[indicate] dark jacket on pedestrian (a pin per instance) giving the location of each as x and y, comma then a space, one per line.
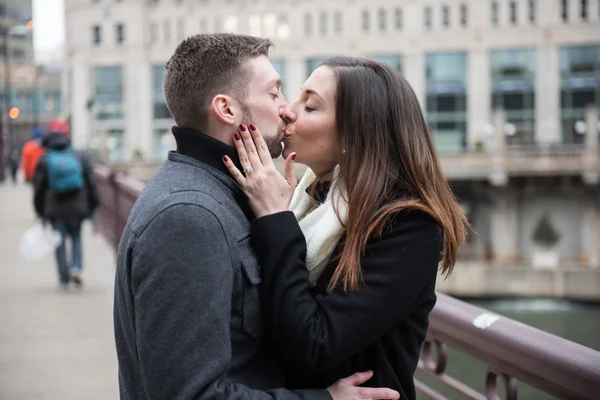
187, 311
73, 207
325, 335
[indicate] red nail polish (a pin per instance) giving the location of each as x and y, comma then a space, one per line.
252, 127
243, 128
225, 158
236, 136
293, 156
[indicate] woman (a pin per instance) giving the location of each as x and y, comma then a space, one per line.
350, 286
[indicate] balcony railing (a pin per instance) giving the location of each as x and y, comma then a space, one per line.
534, 160
511, 350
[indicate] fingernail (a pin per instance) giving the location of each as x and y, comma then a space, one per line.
242, 127
252, 127
225, 158
293, 156
236, 136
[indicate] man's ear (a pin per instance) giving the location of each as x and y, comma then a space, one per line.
224, 108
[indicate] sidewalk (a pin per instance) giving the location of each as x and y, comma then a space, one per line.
53, 345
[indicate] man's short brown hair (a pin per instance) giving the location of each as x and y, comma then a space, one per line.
204, 66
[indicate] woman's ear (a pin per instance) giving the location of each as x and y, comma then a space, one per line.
225, 109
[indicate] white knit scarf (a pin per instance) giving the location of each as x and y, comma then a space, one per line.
321, 226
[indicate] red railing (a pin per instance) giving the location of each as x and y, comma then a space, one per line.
511, 350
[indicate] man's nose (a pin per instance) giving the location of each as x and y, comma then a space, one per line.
288, 114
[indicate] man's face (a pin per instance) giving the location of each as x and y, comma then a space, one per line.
265, 103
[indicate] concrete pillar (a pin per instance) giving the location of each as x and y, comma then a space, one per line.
414, 71
548, 126
503, 227
137, 81
295, 76
478, 95
590, 161
590, 226
81, 93
498, 175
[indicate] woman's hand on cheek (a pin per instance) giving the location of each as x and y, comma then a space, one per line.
268, 191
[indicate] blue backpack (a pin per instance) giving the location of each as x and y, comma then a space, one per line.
65, 173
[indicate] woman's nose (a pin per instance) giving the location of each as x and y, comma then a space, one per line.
288, 114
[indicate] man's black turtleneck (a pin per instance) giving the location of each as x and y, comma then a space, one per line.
204, 148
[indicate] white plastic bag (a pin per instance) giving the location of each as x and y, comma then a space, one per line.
38, 241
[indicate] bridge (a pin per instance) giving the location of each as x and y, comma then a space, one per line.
60, 345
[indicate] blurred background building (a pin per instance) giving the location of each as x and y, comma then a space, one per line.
511, 91
31, 88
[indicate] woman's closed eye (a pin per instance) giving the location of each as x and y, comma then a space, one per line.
308, 109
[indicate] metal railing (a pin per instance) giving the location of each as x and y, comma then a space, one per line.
511, 350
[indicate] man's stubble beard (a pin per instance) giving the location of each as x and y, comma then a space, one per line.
274, 142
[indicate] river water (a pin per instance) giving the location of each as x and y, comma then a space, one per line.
578, 322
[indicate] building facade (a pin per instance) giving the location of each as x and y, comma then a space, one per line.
510, 88
35, 91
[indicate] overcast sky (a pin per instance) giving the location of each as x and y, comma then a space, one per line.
49, 24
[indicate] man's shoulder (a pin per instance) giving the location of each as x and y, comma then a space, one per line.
169, 192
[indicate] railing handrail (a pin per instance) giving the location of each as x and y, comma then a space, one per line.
550, 363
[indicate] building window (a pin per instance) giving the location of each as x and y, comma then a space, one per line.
161, 144
96, 34
153, 32
337, 21
532, 11
160, 110
116, 146
203, 25
398, 18
464, 17
495, 13
382, 20
323, 23
564, 10
308, 28
313, 63
513, 90
167, 31
580, 86
284, 31
365, 21
180, 29
584, 10
108, 89
428, 17
120, 33
218, 25
513, 12
447, 100
392, 60
446, 16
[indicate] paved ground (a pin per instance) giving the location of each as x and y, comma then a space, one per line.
53, 344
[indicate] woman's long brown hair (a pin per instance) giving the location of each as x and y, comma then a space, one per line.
388, 163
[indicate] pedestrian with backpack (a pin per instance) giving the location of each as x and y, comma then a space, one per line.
65, 194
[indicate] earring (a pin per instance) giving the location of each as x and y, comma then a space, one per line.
343, 151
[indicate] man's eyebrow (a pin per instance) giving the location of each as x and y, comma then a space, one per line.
274, 82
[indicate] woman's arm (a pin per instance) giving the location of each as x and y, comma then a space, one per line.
317, 332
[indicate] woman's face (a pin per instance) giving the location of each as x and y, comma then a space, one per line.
311, 131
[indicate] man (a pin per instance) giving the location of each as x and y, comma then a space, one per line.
14, 159
65, 193
188, 321
31, 154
